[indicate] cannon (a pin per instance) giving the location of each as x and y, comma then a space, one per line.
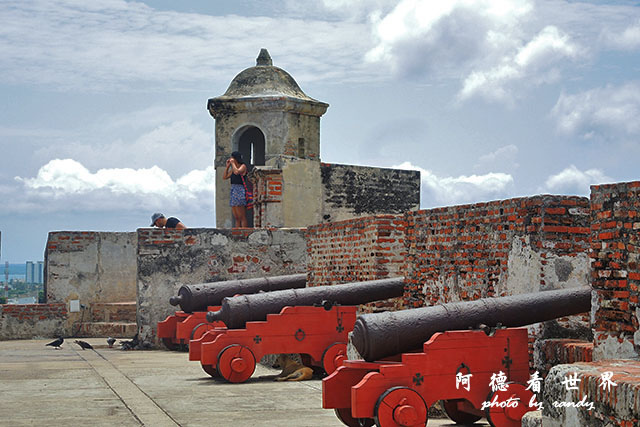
378, 335
198, 297
235, 312
179, 328
475, 373
196, 300
306, 321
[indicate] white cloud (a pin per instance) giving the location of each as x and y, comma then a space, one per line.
573, 181
443, 191
493, 46
65, 184
354, 9
503, 158
126, 44
424, 36
608, 111
628, 39
533, 61
175, 146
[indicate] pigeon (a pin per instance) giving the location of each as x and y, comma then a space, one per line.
85, 345
131, 344
57, 343
110, 341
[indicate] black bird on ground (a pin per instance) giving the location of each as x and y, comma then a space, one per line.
85, 345
130, 344
57, 343
110, 341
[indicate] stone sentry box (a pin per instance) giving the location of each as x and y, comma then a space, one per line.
170, 258
267, 117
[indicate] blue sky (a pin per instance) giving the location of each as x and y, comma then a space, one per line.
103, 116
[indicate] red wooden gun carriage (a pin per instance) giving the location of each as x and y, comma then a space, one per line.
306, 321
473, 373
195, 300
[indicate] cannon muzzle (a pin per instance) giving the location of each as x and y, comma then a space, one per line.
238, 310
198, 297
379, 335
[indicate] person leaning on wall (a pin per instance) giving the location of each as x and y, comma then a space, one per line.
160, 221
235, 171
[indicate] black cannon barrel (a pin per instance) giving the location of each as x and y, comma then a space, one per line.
379, 335
236, 311
199, 296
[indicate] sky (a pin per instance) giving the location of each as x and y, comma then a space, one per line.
103, 117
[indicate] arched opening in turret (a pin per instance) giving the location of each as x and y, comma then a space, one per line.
249, 140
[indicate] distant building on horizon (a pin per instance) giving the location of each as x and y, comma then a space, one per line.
34, 272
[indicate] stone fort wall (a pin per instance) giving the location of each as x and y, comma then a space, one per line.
302, 193
168, 259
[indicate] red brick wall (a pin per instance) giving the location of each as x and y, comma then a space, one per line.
615, 243
34, 312
462, 252
69, 241
560, 351
267, 189
357, 250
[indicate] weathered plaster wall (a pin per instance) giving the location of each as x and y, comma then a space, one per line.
90, 266
302, 130
33, 320
355, 191
282, 131
169, 258
306, 192
615, 243
302, 194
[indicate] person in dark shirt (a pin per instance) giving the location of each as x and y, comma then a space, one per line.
159, 220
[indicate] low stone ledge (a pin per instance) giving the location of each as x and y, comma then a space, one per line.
25, 321
532, 419
591, 404
560, 351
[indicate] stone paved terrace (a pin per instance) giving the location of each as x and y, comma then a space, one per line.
43, 386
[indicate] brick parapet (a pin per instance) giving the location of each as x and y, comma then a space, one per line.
356, 250
70, 241
463, 252
615, 244
560, 351
34, 312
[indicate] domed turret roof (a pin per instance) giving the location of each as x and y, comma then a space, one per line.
264, 80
